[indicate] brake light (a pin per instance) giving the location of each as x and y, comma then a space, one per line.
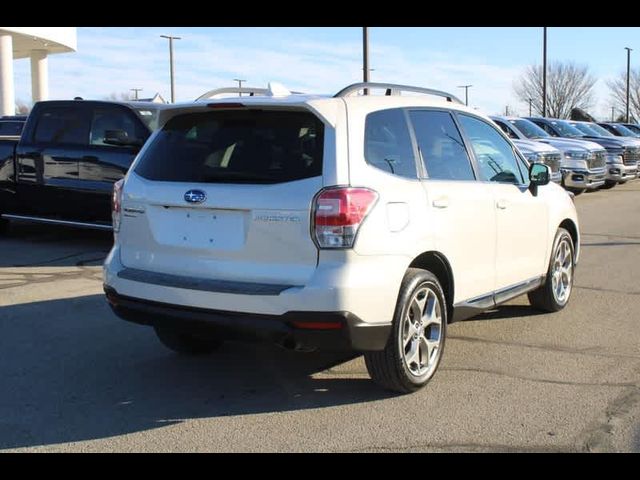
116, 205
338, 214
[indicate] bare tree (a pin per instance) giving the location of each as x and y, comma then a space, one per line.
568, 86
22, 108
618, 88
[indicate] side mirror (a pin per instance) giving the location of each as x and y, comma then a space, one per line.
120, 138
539, 175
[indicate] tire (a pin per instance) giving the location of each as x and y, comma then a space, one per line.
577, 191
550, 297
397, 367
607, 185
185, 343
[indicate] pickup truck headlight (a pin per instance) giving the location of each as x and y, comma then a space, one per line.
576, 155
614, 158
575, 164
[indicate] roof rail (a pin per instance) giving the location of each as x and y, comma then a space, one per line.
221, 91
249, 90
393, 89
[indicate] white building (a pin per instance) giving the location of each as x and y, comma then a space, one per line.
36, 43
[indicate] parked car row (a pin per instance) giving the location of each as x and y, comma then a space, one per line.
591, 155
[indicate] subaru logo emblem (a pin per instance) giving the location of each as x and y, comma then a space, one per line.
195, 196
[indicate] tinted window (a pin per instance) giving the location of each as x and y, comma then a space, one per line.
108, 118
441, 146
11, 128
62, 125
496, 158
251, 146
149, 116
387, 144
529, 129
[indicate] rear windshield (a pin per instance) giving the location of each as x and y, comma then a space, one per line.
249, 146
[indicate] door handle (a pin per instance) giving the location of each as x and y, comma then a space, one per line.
502, 204
442, 202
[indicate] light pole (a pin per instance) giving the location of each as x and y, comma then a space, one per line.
173, 86
365, 56
135, 92
628, 70
466, 93
530, 102
544, 74
612, 110
239, 80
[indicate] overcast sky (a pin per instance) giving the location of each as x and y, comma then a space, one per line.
323, 60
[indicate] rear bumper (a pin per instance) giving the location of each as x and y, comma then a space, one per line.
322, 330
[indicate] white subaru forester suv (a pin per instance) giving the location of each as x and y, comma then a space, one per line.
368, 220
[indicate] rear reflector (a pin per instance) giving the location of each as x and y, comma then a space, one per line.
317, 325
338, 214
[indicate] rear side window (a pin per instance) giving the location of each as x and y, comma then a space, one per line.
387, 144
62, 125
441, 147
249, 146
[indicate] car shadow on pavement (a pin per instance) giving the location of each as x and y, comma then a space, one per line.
72, 371
508, 312
33, 245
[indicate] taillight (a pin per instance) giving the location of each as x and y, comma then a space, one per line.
116, 205
338, 214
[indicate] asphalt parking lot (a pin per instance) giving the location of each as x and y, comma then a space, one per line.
73, 377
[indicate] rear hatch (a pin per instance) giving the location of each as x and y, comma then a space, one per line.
226, 195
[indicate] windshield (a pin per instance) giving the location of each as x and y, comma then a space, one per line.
149, 116
624, 131
249, 146
603, 132
586, 129
633, 128
566, 129
529, 129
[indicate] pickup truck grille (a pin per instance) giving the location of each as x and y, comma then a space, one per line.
552, 160
597, 159
631, 155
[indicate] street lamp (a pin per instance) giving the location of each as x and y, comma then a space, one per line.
135, 92
612, 110
628, 69
365, 56
466, 93
544, 74
239, 80
530, 102
173, 87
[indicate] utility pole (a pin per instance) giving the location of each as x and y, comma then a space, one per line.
365, 56
628, 70
530, 102
612, 110
173, 86
544, 74
239, 84
506, 111
135, 92
466, 93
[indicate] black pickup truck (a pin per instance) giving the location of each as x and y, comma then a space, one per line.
69, 155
